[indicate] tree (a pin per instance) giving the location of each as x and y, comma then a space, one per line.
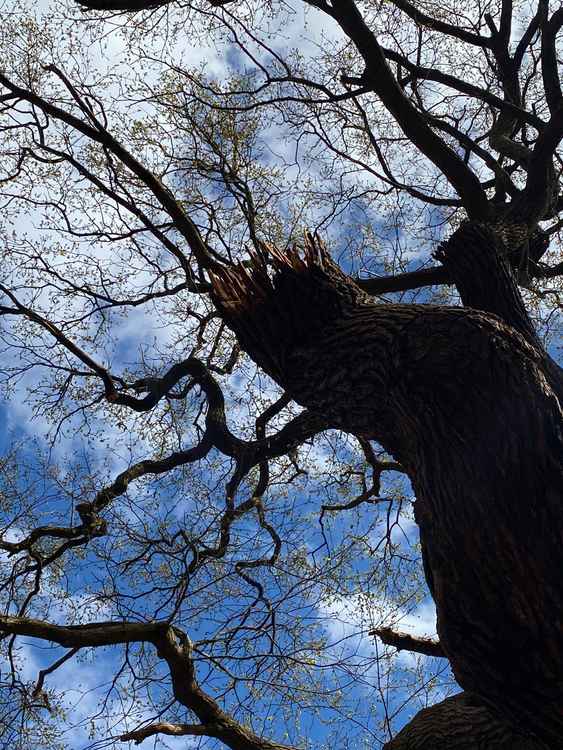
159, 188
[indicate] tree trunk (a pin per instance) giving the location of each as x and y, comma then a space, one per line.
461, 723
468, 404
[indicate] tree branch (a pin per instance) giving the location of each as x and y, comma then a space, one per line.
550, 63
431, 74
172, 645
126, 6
217, 434
412, 123
404, 641
438, 25
101, 135
164, 727
541, 192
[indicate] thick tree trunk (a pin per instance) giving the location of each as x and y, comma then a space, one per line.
469, 406
461, 722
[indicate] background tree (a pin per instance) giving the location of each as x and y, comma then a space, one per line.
161, 163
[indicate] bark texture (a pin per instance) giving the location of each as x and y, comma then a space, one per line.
461, 722
467, 401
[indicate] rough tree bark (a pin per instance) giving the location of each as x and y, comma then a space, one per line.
461, 723
467, 400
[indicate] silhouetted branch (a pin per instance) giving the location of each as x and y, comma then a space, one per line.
404, 641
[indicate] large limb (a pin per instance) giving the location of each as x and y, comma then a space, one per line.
413, 124
540, 194
175, 648
123, 6
442, 274
246, 454
438, 24
483, 278
461, 399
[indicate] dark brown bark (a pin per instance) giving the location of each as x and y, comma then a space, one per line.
483, 278
468, 405
461, 722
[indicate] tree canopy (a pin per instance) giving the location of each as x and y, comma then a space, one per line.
281, 289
